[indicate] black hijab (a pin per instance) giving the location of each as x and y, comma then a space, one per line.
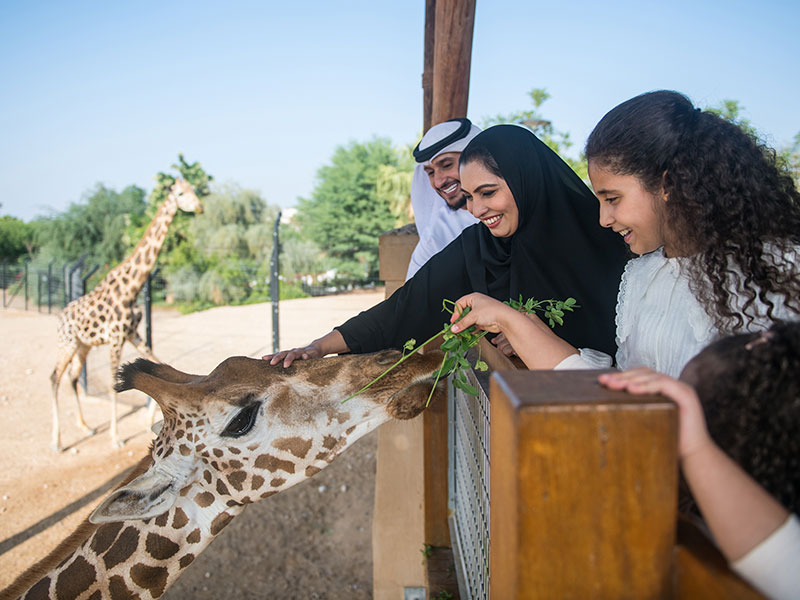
558, 251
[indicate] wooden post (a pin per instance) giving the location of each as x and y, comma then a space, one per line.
452, 55
583, 489
427, 72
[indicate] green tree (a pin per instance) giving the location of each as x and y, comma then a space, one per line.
226, 260
16, 238
345, 214
98, 225
558, 141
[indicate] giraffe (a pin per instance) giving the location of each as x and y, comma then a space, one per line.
108, 314
244, 432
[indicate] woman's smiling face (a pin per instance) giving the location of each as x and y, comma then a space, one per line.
489, 199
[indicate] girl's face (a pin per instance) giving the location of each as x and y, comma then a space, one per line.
489, 199
629, 209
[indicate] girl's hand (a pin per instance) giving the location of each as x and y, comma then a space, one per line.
692, 431
485, 313
503, 344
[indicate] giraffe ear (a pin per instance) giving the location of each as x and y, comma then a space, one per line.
149, 495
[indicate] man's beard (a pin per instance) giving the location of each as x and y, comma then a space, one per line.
462, 202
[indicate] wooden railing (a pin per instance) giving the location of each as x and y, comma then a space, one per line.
583, 493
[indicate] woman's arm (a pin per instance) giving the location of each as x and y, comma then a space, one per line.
330, 343
739, 512
532, 340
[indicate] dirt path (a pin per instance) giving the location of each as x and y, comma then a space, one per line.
312, 541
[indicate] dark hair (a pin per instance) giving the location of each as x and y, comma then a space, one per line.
731, 204
749, 386
480, 154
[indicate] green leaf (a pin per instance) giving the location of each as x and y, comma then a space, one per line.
481, 366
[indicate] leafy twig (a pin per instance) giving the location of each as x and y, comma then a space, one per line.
456, 345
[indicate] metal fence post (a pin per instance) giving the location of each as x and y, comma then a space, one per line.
26, 262
5, 262
50, 286
274, 284
84, 279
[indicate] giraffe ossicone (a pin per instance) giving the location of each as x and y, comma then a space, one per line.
108, 314
244, 432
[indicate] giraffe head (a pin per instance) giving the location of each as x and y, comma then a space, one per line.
183, 193
249, 429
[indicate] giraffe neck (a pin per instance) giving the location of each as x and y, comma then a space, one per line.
134, 270
134, 559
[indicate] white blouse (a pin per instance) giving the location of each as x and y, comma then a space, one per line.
660, 324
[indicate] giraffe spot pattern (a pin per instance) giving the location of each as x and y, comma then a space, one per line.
186, 560
118, 589
311, 471
40, 591
256, 482
207, 476
75, 579
218, 453
235, 464
278, 481
296, 445
153, 579
162, 519
97, 595
159, 547
122, 549
184, 450
180, 519
328, 442
273, 463
222, 489
237, 479
104, 537
234, 450
193, 537
204, 499
220, 522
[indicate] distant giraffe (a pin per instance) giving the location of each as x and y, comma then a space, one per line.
245, 432
108, 314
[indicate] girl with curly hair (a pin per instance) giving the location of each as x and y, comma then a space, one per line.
715, 219
742, 461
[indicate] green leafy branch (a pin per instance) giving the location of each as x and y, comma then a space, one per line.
553, 309
456, 345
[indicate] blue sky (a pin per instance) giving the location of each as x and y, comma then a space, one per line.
262, 92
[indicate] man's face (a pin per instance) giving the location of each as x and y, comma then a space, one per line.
443, 174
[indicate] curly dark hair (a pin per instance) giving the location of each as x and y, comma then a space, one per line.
732, 207
749, 386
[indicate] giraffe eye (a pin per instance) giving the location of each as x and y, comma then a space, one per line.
243, 421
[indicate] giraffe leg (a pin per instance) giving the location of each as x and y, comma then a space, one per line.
75, 373
115, 353
141, 347
65, 356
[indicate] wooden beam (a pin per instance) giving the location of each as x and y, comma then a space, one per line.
427, 73
452, 55
583, 488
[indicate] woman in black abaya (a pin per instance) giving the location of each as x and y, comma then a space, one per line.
539, 237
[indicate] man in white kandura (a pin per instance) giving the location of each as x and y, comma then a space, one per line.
436, 196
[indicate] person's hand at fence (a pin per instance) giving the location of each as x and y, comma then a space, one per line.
485, 313
692, 431
739, 512
503, 344
330, 343
528, 336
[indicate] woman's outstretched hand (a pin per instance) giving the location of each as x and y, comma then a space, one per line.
485, 313
289, 356
330, 343
692, 431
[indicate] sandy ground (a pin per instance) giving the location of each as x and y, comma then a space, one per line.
312, 541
